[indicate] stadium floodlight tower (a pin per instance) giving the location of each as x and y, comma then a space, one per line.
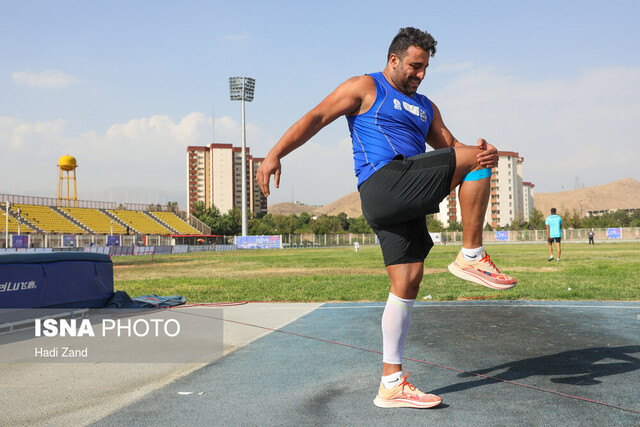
242, 90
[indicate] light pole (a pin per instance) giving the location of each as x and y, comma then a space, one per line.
242, 90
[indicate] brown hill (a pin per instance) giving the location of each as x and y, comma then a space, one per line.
349, 204
288, 208
623, 194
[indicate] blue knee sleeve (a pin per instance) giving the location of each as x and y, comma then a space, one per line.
477, 174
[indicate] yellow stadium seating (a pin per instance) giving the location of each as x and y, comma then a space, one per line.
51, 221
47, 219
140, 222
172, 220
95, 220
13, 225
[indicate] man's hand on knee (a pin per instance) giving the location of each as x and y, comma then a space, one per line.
488, 155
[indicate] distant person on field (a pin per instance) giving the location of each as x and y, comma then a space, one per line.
591, 236
554, 231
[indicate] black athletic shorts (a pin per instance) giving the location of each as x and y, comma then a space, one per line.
554, 239
397, 197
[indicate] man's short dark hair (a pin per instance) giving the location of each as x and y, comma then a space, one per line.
553, 211
408, 37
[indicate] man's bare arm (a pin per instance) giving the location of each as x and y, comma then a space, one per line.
346, 99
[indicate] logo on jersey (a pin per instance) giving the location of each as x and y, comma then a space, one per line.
415, 110
396, 104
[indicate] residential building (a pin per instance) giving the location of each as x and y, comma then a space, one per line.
214, 176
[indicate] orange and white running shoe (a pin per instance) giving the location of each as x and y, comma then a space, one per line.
483, 272
405, 395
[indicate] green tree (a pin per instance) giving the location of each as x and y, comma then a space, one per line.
172, 207
434, 225
621, 216
518, 223
325, 225
197, 209
590, 222
572, 220
257, 227
228, 224
292, 223
344, 221
454, 226
607, 220
209, 216
536, 219
282, 225
359, 225
303, 220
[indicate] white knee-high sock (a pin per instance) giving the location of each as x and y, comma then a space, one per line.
395, 327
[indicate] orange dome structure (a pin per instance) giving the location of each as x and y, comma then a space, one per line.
67, 164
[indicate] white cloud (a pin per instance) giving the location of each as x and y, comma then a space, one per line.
585, 126
579, 127
47, 79
149, 152
26, 137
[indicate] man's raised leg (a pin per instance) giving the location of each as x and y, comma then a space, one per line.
473, 263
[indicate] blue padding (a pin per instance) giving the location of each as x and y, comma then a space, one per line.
57, 279
38, 257
477, 175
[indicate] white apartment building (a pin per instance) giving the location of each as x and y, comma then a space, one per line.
214, 176
510, 198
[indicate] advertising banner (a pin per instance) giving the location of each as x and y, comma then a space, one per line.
502, 236
613, 233
258, 242
20, 241
113, 240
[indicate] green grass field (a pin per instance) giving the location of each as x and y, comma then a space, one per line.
608, 271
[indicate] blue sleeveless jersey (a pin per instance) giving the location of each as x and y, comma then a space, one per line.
395, 124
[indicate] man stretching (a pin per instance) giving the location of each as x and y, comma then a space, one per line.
400, 184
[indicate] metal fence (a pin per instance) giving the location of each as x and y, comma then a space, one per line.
316, 240
507, 236
322, 240
87, 240
568, 235
93, 204
128, 250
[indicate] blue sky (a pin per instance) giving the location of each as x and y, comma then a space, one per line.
126, 86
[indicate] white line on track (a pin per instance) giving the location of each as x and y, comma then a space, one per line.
460, 304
